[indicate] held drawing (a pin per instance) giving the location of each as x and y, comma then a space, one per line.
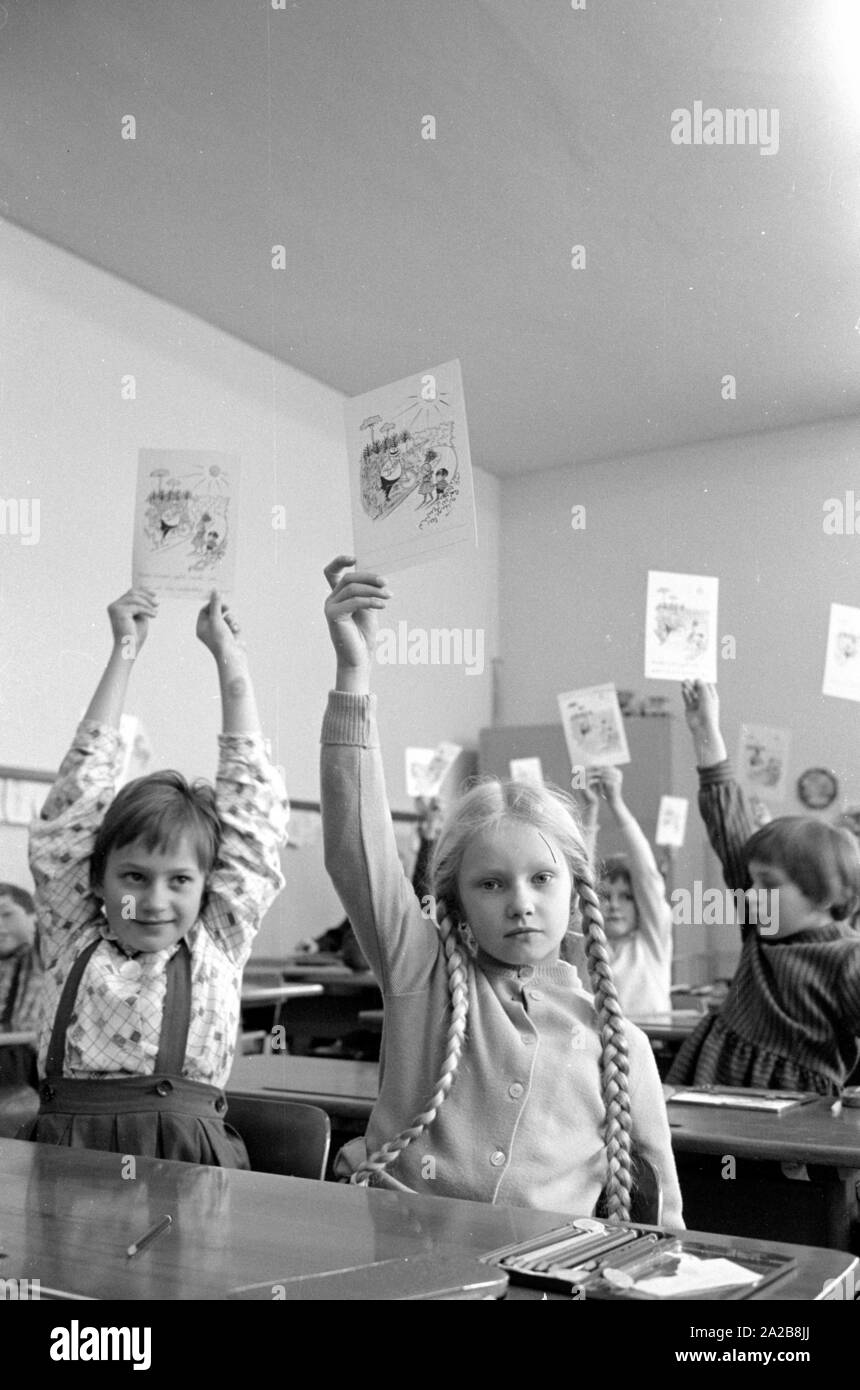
410, 470
185, 519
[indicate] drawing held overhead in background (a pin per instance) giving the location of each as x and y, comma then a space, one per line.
842, 663
763, 761
427, 768
410, 469
672, 821
681, 627
185, 521
527, 770
593, 726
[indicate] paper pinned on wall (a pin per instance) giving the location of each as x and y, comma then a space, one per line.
136, 749
21, 801
593, 726
672, 821
842, 663
527, 770
410, 470
304, 828
186, 521
427, 768
681, 627
763, 761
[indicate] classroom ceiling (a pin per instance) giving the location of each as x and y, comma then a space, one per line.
302, 126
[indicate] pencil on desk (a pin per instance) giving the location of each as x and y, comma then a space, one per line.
164, 1224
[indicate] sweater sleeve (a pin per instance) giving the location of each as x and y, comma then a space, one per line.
62, 839
361, 850
649, 891
651, 1135
727, 820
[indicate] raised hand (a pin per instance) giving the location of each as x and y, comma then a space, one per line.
701, 706
217, 628
129, 619
610, 781
702, 712
351, 612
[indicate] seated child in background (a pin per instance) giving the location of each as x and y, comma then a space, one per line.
528, 1091
342, 940
792, 1012
148, 904
20, 983
636, 916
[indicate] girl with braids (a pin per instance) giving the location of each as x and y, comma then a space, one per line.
501, 1079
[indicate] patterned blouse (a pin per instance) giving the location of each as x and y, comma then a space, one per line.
116, 1022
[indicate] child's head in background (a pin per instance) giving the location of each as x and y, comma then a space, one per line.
620, 913
17, 919
505, 865
152, 857
814, 868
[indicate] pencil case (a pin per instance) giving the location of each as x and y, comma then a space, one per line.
589, 1259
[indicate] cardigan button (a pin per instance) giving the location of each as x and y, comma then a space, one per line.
515, 1090
525, 972
535, 994
164, 1088
498, 1158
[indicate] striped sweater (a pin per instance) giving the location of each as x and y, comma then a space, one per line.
792, 1013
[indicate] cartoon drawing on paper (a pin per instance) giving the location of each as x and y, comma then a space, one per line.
679, 625
419, 455
189, 514
845, 647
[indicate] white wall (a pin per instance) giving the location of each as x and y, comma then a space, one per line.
70, 333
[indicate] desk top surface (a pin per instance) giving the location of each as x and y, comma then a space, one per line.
340, 975
277, 994
69, 1215
262, 1073
807, 1133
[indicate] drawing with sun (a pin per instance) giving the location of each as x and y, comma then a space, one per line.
185, 520
410, 471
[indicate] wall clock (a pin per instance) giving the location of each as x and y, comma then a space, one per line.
817, 788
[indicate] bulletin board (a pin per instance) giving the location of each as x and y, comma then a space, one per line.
22, 794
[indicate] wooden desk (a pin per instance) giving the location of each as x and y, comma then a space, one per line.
68, 1218
338, 978
278, 994
770, 1191
345, 1090
671, 1027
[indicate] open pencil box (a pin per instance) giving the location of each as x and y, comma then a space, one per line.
591, 1259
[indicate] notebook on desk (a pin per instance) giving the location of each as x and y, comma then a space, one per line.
739, 1098
414, 1277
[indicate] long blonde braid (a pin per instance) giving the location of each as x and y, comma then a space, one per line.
614, 1061
458, 967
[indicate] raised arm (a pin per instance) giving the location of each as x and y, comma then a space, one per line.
649, 889
249, 796
722, 803
129, 620
61, 840
360, 847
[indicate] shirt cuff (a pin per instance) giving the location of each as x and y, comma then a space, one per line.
716, 774
350, 719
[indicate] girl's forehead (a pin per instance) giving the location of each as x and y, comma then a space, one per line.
512, 842
181, 854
